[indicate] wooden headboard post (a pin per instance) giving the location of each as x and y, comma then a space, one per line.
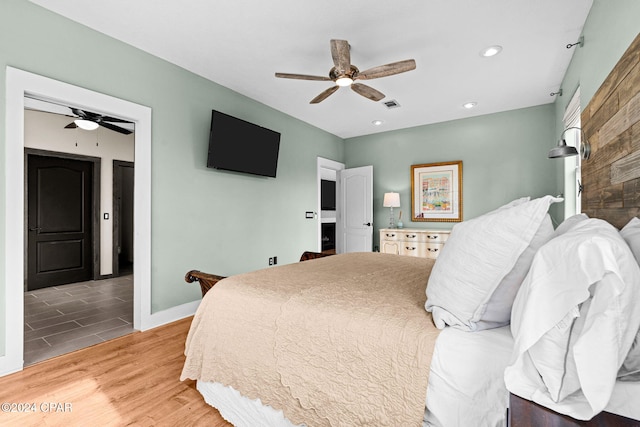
611, 124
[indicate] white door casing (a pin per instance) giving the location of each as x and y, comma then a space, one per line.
18, 84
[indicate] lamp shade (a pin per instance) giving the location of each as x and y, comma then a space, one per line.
391, 200
564, 150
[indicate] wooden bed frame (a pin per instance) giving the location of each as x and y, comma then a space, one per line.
208, 281
524, 413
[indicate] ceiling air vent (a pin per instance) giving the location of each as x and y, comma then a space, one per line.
391, 104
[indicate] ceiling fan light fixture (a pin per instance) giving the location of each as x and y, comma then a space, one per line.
344, 81
86, 124
491, 51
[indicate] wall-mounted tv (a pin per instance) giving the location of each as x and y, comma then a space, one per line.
240, 146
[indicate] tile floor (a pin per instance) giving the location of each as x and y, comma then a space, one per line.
65, 318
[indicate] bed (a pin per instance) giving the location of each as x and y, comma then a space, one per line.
381, 339
339, 323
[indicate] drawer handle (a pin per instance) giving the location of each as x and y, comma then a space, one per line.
432, 249
431, 237
410, 236
409, 248
391, 235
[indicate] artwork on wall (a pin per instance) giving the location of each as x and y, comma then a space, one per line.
436, 190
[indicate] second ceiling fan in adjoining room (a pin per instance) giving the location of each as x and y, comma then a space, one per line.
89, 121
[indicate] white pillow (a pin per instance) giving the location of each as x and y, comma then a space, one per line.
478, 255
497, 311
568, 224
590, 269
630, 370
550, 352
631, 234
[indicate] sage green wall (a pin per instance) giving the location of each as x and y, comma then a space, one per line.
504, 157
609, 30
216, 221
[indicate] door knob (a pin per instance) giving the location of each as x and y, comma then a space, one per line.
368, 224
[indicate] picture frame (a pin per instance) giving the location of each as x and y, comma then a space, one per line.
436, 190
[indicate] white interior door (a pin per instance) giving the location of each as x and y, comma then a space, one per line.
355, 222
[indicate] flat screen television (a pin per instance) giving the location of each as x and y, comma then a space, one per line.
327, 195
239, 146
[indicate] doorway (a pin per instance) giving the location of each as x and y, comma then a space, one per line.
68, 304
327, 173
352, 217
18, 84
61, 206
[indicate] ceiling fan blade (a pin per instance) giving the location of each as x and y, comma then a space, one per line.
301, 77
341, 55
71, 125
115, 128
78, 113
367, 91
387, 70
113, 119
324, 95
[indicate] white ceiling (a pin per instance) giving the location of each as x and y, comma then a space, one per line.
240, 44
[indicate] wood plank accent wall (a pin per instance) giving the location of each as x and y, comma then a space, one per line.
611, 124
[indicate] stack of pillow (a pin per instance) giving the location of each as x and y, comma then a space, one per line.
576, 319
477, 275
572, 297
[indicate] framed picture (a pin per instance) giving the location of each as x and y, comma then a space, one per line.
436, 190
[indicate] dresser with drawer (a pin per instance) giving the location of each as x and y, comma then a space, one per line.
412, 242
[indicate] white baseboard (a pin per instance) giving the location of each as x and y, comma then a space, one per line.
9, 365
170, 315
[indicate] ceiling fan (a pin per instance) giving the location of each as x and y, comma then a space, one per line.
89, 121
344, 73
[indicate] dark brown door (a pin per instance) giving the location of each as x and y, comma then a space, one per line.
123, 188
60, 204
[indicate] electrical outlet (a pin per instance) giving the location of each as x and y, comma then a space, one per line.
271, 261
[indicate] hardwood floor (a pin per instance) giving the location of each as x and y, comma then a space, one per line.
129, 381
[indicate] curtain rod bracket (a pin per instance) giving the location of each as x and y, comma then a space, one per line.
580, 43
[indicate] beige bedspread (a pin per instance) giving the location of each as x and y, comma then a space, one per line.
339, 341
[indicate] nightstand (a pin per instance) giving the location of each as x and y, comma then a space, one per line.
413, 242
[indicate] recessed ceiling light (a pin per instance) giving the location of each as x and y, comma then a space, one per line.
377, 122
491, 51
469, 105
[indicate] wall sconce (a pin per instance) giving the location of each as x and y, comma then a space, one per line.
391, 200
564, 150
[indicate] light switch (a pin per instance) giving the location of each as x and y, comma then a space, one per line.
106, 215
